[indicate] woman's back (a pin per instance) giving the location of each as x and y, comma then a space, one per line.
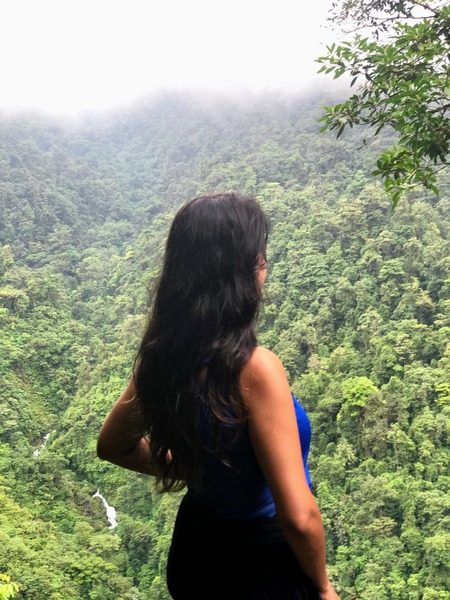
237, 488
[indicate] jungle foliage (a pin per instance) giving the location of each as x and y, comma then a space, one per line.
357, 306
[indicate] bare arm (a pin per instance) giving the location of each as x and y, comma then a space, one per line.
275, 439
120, 440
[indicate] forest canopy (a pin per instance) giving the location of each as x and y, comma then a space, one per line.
356, 304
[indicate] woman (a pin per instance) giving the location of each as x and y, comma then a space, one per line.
209, 409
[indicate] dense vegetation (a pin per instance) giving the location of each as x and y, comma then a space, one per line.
357, 305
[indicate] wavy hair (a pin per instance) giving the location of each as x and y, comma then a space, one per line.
201, 333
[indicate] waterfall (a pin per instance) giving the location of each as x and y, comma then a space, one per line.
44, 441
110, 510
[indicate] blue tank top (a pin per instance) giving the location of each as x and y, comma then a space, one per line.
241, 491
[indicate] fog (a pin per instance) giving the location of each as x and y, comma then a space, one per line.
75, 56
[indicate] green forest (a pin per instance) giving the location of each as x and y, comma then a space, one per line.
356, 305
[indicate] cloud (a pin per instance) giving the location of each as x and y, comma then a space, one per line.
70, 55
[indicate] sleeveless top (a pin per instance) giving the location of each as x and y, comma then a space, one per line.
240, 491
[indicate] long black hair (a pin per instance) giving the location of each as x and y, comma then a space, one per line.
200, 334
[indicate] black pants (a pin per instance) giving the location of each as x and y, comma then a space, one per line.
212, 558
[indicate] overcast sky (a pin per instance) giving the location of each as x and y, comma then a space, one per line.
67, 56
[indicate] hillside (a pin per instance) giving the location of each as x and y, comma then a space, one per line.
357, 306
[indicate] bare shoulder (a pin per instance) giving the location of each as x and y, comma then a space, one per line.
262, 361
262, 374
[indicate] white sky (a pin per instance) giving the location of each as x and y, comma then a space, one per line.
67, 56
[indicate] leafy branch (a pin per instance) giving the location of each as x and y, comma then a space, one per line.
401, 82
8, 588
